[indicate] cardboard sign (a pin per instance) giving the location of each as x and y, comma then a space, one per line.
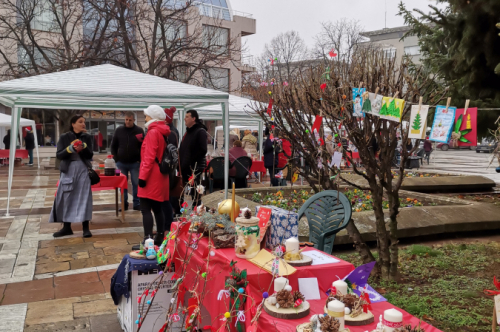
264, 215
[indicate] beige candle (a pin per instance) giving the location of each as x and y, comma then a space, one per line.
336, 309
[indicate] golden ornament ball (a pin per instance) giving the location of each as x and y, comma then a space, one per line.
225, 207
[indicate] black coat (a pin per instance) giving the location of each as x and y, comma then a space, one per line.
6, 141
173, 138
125, 146
193, 148
269, 150
29, 140
64, 152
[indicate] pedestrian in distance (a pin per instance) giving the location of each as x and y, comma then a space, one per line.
29, 142
6, 140
271, 157
73, 202
427, 149
126, 150
153, 185
192, 153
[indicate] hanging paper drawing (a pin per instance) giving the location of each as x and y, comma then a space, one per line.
375, 103
442, 124
392, 108
358, 101
465, 129
367, 104
418, 121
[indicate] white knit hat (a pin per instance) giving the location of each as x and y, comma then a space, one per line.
155, 112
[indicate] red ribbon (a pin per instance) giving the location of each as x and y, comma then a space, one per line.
297, 303
270, 107
493, 292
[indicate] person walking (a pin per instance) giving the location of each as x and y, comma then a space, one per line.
192, 152
427, 149
73, 202
153, 185
271, 159
172, 204
6, 140
126, 150
29, 142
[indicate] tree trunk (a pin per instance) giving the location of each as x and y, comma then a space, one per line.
393, 229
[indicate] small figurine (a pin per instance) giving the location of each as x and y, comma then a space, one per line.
149, 245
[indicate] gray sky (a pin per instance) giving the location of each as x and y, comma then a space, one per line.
305, 16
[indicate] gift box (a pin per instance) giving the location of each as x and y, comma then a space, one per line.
284, 225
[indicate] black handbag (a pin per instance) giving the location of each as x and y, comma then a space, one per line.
93, 176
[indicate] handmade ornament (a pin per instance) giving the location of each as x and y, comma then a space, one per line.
443, 124
332, 53
236, 285
392, 321
418, 121
200, 189
326, 74
392, 108
322, 87
293, 254
318, 121
358, 101
149, 245
286, 304
285, 83
496, 298
248, 233
321, 323
270, 106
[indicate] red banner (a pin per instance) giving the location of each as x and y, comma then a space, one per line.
469, 122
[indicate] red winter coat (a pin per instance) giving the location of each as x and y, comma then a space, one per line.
157, 186
287, 153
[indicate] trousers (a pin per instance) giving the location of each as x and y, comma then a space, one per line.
148, 205
133, 169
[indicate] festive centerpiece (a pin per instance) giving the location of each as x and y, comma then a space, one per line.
216, 226
285, 303
393, 322
356, 310
322, 323
293, 254
247, 232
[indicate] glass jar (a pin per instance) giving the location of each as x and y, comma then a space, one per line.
247, 236
109, 166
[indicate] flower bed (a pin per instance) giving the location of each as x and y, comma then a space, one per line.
361, 200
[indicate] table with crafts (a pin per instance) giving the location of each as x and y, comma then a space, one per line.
20, 153
261, 281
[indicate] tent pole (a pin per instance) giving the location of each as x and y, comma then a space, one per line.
260, 147
225, 123
14, 128
36, 145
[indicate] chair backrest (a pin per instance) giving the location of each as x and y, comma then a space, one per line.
326, 211
217, 165
242, 166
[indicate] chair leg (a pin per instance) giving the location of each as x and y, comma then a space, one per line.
211, 185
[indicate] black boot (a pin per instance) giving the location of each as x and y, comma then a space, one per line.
86, 231
159, 238
66, 230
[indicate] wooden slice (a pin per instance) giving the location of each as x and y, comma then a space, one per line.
287, 313
135, 254
305, 261
306, 328
363, 319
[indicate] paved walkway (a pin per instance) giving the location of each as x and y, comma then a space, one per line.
49, 284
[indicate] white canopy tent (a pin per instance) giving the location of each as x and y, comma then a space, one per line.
6, 121
106, 87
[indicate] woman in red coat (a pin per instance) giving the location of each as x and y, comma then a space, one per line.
285, 154
153, 185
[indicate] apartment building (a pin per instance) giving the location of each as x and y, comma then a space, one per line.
217, 18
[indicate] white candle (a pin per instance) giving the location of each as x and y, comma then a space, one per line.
292, 245
394, 318
341, 286
280, 283
336, 309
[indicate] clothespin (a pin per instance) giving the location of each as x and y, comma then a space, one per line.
448, 102
360, 85
321, 112
395, 95
420, 103
376, 90
466, 106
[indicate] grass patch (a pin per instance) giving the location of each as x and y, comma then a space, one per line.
443, 285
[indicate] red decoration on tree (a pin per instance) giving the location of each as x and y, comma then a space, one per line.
493, 292
323, 86
367, 306
332, 53
270, 106
318, 121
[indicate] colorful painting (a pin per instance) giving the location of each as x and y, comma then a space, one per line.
120, 115
108, 114
418, 121
358, 101
375, 102
392, 108
442, 126
465, 129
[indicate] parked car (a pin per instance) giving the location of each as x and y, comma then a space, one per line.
488, 145
443, 146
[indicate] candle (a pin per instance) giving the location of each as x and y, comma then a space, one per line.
292, 245
393, 319
341, 286
280, 283
336, 309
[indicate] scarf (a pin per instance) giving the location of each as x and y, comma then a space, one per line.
150, 122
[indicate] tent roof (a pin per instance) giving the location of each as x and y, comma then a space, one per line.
238, 110
104, 87
5, 121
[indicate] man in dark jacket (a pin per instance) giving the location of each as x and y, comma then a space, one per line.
126, 150
271, 157
192, 152
29, 141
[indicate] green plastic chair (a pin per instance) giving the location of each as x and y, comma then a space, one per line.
327, 213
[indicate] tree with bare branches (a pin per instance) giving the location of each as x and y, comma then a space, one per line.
342, 36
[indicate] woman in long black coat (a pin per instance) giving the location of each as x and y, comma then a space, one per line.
73, 201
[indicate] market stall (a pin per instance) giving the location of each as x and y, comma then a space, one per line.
6, 122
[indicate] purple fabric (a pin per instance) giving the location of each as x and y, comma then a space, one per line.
360, 277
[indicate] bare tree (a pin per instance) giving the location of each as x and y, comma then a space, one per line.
342, 36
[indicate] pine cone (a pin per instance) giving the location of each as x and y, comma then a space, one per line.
297, 296
349, 300
329, 324
248, 214
285, 299
408, 328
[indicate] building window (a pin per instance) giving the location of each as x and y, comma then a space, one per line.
412, 50
45, 16
214, 8
216, 39
24, 60
389, 53
216, 78
174, 30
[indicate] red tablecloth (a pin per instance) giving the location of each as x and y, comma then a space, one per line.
109, 182
260, 280
20, 153
258, 166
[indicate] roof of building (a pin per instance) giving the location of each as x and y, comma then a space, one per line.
384, 31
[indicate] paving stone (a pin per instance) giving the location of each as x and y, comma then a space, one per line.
99, 238
96, 252
78, 285
29, 291
79, 325
53, 311
110, 243
93, 297
13, 317
105, 323
126, 236
121, 249
51, 258
82, 247
105, 277
7, 265
60, 242
94, 308
51, 267
81, 255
